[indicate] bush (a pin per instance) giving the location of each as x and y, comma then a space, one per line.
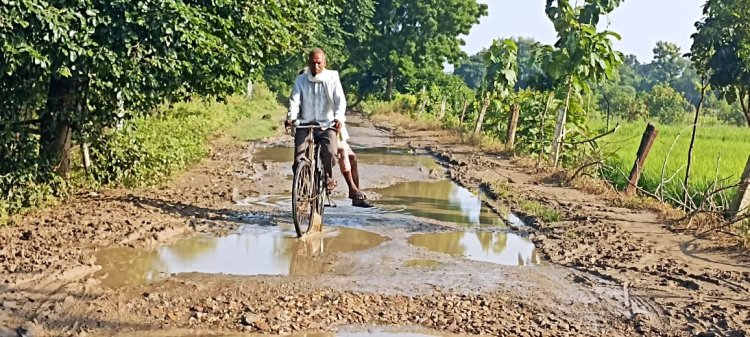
145, 151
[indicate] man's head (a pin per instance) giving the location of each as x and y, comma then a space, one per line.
316, 61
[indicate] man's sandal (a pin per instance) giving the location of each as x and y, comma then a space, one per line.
359, 199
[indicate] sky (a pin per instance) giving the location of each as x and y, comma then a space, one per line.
641, 23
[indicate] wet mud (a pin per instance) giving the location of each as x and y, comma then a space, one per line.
213, 253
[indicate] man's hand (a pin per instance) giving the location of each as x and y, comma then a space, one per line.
288, 124
337, 125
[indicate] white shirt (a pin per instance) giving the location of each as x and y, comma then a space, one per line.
318, 98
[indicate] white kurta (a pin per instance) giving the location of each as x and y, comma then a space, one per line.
317, 98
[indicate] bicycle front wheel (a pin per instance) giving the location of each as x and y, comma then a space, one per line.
303, 201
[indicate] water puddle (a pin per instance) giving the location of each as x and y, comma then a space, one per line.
278, 201
372, 156
361, 334
442, 200
500, 248
274, 154
252, 251
422, 263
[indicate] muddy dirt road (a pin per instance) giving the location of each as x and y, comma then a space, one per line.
444, 253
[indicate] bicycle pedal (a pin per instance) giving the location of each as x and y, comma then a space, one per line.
330, 202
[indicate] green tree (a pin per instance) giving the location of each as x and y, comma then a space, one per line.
668, 63
666, 104
411, 35
623, 101
472, 71
582, 55
723, 40
502, 73
79, 65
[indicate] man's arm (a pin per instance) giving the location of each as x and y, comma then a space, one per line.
339, 101
295, 100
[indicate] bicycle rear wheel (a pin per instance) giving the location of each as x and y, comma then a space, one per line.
303, 201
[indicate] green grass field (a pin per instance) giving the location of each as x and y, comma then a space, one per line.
729, 144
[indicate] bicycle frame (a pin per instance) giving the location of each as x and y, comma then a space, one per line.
316, 194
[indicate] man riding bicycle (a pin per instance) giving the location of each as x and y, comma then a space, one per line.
317, 98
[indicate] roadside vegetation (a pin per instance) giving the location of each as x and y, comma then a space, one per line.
144, 109
149, 149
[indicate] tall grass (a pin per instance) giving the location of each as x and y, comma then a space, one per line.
719, 156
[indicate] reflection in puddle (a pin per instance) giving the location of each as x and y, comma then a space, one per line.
422, 263
276, 154
515, 220
253, 251
278, 201
442, 200
372, 156
501, 248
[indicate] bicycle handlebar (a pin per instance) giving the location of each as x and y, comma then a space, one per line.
307, 126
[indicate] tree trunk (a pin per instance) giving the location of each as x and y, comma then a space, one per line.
389, 86
686, 195
480, 119
606, 100
510, 137
463, 113
55, 138
745, 107
442, 107
560, 128
541, 128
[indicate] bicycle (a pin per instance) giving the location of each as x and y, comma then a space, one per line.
309, 185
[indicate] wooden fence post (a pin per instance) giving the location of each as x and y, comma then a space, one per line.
510, 139
649, 135
480, 119
741, 201
86, 156
557, 137
421, 109
442, 107
463, 112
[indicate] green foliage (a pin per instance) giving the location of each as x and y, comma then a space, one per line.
439, 85
665, 103
542, 212
402, 103
472, 71
582, 55
87, 65
147, 150
411, 35
502, 67
531, 127
668, 62
721, 49
622, 101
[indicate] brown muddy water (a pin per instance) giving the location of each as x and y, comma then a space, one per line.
441, 200
252, 251
501, 248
